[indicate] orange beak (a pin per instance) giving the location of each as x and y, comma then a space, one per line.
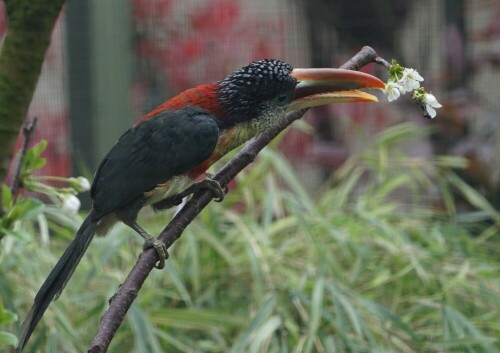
328, 86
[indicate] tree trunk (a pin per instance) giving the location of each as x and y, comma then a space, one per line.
21, 58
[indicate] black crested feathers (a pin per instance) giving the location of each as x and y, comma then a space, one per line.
242, 92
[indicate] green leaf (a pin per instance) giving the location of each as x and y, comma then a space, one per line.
33, 209
386, 314
473, 196
264, 333
8, 338
179, 284
20, 235
197, 319
39, 147
144, 333
26, 209
28, 158
253, 327
32, 160
6, 316
6, 197
38, 163
315, 315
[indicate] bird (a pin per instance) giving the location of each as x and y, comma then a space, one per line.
158, 161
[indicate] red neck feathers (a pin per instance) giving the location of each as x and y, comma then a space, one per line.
204, 96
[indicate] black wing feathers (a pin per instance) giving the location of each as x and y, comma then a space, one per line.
151, 153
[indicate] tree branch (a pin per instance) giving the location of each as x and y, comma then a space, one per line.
28, 131
123, 299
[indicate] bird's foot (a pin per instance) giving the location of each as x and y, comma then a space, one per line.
214, 186
150, 242
209, 183
160, 248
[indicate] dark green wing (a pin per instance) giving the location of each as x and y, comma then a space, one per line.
151, 153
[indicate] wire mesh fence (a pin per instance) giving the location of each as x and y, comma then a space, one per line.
107, 67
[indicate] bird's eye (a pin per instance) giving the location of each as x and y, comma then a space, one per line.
282, 98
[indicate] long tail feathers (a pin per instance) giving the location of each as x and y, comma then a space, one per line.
57, 279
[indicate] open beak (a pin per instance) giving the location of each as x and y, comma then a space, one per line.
327, 86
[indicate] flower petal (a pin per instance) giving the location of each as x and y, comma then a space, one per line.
413, 74
410, 80
431, 111
392, 90
432, 101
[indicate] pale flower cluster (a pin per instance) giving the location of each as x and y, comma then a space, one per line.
409, 81
403, 80
427, 101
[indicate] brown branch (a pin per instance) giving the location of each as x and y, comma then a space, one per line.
123, 299
28, 131
383, 62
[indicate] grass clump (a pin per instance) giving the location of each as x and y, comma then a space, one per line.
379, 261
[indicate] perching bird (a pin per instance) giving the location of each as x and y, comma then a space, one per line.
157, 161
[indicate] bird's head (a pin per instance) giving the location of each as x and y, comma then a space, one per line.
262, 87
264, 90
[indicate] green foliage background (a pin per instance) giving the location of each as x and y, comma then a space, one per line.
379, 261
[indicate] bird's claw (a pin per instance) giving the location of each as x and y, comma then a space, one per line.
160, 248
215, 187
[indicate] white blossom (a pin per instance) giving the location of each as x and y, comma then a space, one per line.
392, 90
80, 184
70, 203
431, 104
410, 80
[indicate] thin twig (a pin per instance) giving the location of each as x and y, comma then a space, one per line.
129, 290
383, 62
28, 130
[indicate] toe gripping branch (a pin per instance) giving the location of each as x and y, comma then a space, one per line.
213, 185
152, 242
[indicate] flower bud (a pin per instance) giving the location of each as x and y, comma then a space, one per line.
80, 184
70, 203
